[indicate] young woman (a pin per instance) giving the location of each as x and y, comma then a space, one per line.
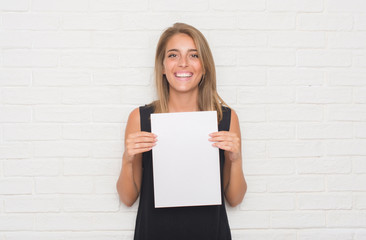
186, 81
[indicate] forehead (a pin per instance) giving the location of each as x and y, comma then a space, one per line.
180, 41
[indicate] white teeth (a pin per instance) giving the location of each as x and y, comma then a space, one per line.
184, 75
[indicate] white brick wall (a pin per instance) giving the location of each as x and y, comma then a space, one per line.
72, 70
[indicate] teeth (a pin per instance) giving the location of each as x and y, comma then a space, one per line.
184, 75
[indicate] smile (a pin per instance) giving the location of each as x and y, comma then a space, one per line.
183, 74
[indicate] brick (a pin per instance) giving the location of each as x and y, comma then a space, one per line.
90, 203
324, 130
137, 95
326, 22
254, 149
347, 78
90, 95
346, 219
359, 235
30, 96
348, 40
295, 77
16, 186
256, 131
53, 78
39, 167
324, 165
360, 95
266, 58
92, 132
359, 164
224, 56
29, 58
136, 77
13, 132
324, 201
360, 21
105, 184
287, 219
263, 234
22, 21
102, 22
118, 5
19, 222
251, 113
359, 59
103, 167
70, 185
60, 40
211, 21
324, 95
267, 21
14, 114
296, 184
297, 39
132, 58
14, 5
110, 114
237, 39
235, 5
295, 6
261, 202
15, 39
146, 20
348, 183
72, 114
344, 112
62, 149
30, 204
107, 149
298, 112
231, 76
229, 94
320, 234
346, 147
256, 185
350, 6
324, 58
90, 60
269, 167
176, 5
266, 95
126, 39
55, 5
246, 220
359, 201
16, 150
15, 77
38, 235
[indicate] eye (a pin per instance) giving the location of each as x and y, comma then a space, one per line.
172, 55
194, 55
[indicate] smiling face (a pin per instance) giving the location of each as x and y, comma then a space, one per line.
182, 66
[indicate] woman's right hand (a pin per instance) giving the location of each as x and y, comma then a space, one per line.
138, 142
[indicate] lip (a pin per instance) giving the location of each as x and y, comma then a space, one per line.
183, 75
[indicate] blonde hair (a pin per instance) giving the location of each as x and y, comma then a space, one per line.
208, 98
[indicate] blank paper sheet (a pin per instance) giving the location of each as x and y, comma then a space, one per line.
186, 167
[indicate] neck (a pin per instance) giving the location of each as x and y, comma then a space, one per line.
183, 102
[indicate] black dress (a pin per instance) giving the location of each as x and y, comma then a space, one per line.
178, 223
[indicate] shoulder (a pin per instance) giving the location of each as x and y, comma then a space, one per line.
134, 119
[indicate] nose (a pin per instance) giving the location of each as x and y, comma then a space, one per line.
183, 62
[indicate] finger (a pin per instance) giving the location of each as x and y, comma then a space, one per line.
141, 150
220, 133
144, 139
142, 134
222, 138
143, 145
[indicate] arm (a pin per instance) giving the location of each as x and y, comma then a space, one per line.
136, 142
235, 185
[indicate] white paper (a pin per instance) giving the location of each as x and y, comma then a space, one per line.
186, 167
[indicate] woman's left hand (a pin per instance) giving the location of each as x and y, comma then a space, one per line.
228, 141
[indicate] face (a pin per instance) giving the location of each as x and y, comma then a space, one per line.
182, 65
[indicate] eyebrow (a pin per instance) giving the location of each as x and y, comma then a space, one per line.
176, 50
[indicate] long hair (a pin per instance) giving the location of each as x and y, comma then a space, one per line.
208, 98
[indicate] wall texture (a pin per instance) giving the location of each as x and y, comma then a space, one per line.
72, 70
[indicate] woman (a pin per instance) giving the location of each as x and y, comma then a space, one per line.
186, 81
